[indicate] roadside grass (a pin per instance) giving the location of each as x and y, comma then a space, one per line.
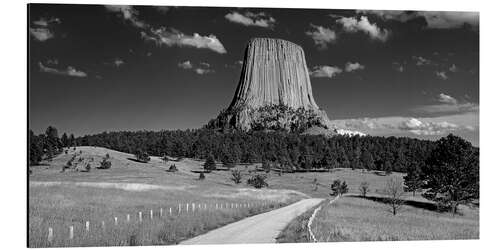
297, 231
60, 207
358, 219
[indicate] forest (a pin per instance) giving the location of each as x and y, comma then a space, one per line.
289, 151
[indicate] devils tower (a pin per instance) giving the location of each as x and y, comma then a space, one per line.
274, 91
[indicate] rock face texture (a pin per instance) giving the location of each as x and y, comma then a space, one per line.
274, 91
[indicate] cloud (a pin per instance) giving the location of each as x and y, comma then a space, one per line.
128, 13
321, 36
41, 34
420, 61
443, 98
453, 68
185, 65
260, 19
69, 71
434, 19
398, 66
351, 24
441, 75
162, 9
418, 127
442, 109
350, 67
172, 37
325, 71
44, 22
118, 62
202, 68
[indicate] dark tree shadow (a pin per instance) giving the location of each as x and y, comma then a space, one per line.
132, 159
417, 204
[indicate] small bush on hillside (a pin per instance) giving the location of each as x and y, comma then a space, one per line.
364, 188
142, 156
339, 188
209, 163
105, 164
266, 166
172, 168
164, 158
87, 167
236, 176
394, 191
202, 176
258, 181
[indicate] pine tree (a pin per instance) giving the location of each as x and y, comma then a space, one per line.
413, 179
209, 164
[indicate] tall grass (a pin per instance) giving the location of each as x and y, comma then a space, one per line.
59, 208
357, 219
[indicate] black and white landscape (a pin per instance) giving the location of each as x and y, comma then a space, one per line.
160, 125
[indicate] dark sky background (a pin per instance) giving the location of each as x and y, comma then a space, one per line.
149, 91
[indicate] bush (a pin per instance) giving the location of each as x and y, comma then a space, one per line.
394, 191
364, 188
209, 163
258, 181
105, 163
236, 176
172, 168
338, 188
87, 167
142, 156
202, 176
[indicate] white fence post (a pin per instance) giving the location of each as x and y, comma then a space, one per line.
128, 218
179, 208
187, 207
161, 212
50, 237
70, 232
116, 221
87, 226
170, 211
140, 216
103, 225
205, 206
194, 205
151, 214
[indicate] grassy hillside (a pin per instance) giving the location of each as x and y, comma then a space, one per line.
359, 219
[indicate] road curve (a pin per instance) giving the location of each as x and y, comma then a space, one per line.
261, 228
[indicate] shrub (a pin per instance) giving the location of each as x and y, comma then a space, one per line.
339, 188
236, 176
266, 166
364, 188
394, 191
105, 163
209, 163
172, 168
202, 176
87, 167
142, 156
258, 181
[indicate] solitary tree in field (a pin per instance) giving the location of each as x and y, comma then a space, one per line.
236, 176
451, 173
202, 176
209, 163
394, 192
258, 181
164, 158
339, 188
413, 179
364, 188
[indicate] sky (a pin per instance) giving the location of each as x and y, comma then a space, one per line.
95, 68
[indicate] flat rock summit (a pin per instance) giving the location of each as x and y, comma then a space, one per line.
274, 91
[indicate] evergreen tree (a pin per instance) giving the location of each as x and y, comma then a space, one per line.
209, 164
64, 140
413, 179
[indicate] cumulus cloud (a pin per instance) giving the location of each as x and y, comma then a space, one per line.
325, 71
434, 19
118, 62
453, 68
398, 66
185, 65
441, 75
45, 22
41, 34
321, 36
202, 68
260, 19
444, 98
350, 67
128, 13
418, 127
421, 61
172, 37
69, 71
351, 24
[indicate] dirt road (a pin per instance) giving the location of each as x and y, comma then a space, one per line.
261, 228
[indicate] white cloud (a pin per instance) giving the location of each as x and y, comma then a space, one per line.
69, 71
453, 68
443, 98
441, 75
118, 62
185, 65
434, 19
41, 34
418, 127
440, 109
350, 67
201, 71
172, 37
260, 19
322, 36
44, 22
127, 13
420, 61
398, 66
325, 71
351, 24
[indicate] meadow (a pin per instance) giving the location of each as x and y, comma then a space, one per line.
360, 219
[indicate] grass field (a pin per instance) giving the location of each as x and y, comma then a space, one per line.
359, 219
71, 198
